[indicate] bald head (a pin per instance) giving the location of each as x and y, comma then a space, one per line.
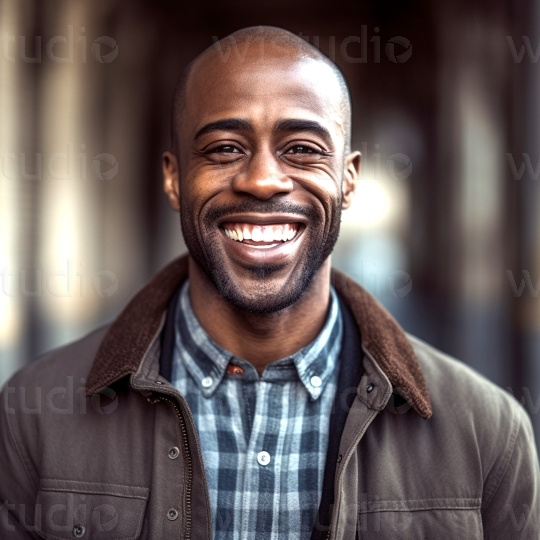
265, 44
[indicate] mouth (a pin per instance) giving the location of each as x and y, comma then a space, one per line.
262, 239
261, 236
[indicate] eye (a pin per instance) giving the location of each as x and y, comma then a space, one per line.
224, 153
301, 149
225, 149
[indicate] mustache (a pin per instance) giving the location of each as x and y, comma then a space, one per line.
263, 207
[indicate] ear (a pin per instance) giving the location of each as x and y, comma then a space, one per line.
350, 177
171, 179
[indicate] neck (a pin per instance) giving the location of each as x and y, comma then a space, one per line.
260, 338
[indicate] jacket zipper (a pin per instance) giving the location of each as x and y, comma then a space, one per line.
187, 461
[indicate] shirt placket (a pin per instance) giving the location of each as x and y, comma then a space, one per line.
262, 462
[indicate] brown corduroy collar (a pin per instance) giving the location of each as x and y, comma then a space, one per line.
130, 335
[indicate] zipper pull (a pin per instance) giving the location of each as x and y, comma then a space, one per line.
154, 398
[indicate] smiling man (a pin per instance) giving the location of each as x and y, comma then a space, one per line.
249, 391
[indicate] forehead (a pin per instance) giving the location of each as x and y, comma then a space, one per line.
263, 88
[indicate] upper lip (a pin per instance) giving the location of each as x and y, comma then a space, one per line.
263, 219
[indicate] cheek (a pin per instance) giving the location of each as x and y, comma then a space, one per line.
205, 181
196, 190
327, 193
325, 184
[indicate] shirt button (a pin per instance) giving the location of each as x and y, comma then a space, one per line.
172, 514
174, 452
316, 381
234, 370
207, 382
263, 458
369, 388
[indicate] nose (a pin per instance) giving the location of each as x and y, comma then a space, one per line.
262, 178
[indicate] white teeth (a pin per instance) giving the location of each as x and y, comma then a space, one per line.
268, 234
257, 234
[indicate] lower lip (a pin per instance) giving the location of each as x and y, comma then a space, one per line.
261, 255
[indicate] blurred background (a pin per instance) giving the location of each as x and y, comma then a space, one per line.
445, 227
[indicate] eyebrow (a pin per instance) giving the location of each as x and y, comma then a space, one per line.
304, 125
230, 124
239, 124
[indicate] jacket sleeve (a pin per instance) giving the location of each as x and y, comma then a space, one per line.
511, 506
17, 487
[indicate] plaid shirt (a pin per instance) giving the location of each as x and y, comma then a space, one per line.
264, 439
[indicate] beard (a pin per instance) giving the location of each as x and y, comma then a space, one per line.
265, 299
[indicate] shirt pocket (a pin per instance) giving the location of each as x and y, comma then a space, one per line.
451, 519
91, 511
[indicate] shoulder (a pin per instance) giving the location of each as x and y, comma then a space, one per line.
56, 367
485, 430
448, 377
37, 406
467, 404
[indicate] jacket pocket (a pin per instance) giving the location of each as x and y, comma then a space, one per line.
451, 519
91, 511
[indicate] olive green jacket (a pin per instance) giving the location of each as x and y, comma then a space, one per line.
96, 444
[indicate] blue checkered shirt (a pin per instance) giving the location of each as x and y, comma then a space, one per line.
264, 438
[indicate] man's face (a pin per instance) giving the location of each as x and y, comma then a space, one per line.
260, 174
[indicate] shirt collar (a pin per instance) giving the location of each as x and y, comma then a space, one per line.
207, 362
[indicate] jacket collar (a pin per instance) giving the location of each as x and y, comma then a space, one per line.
130, 335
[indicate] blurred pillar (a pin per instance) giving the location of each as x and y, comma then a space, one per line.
527, 273
472, 216
69, 221
11, 306
125, 205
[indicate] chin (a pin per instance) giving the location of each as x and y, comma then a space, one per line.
261, 304
260, 291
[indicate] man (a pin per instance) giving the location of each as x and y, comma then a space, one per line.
248, 390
